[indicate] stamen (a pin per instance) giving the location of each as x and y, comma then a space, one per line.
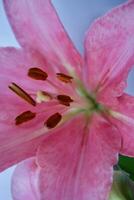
37, 74
64, 99
53, 120
21, 93
64, 78
43, 96
24, 117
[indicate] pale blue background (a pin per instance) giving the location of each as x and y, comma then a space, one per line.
76, 16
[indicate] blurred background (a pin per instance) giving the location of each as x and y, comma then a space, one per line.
76, 16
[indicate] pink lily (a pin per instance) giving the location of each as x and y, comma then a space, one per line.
69, 112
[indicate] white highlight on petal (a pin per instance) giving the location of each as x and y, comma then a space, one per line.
122, 117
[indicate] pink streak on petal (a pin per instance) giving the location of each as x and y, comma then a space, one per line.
37, 26
78, 168
126, 107
25, 181
109, 49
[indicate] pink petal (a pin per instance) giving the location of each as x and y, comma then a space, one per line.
109, 50
77, 161
18, 142
126, 126
25, 181
37, 26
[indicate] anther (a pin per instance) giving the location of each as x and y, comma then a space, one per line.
64, 99
24, 117
43, 96
53, 120
21, 93
37, 74
64, 78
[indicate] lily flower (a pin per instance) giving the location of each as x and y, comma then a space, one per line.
65, 113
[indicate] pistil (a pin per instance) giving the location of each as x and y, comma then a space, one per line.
43, 96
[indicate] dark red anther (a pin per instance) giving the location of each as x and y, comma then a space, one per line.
53, 120
37, 74
64, 99
64, 78
24, 117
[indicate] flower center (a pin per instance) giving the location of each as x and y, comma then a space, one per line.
69, 103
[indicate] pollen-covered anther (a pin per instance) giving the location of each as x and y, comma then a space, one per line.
64, 99
24, 117
43, 96
37, 74
53, 120
21, 93
64, 78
